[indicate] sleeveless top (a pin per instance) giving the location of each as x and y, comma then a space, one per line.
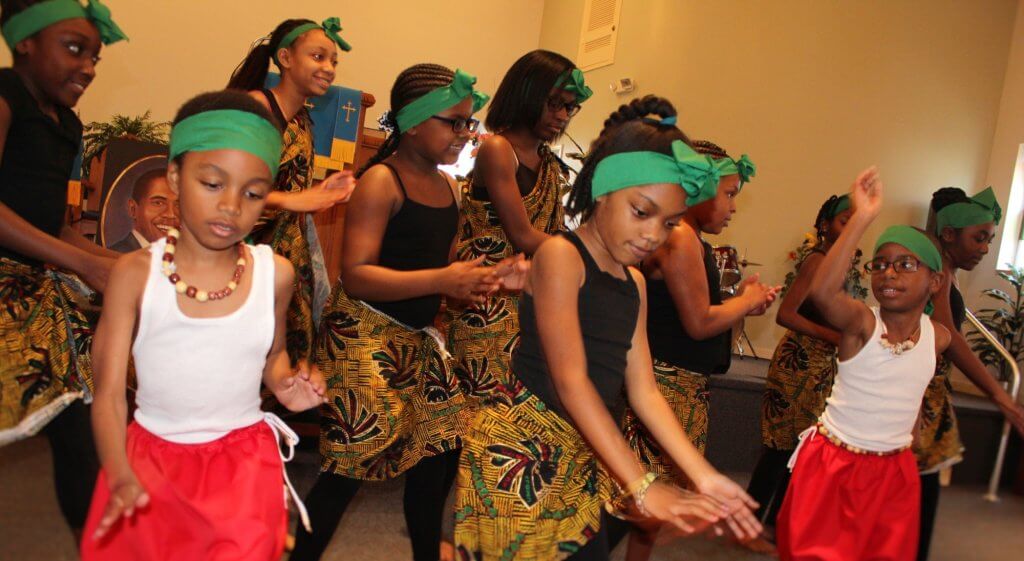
417, 237
877, 395
608, 311
199, 378
956, 302
526, 178
38, 158
669, 340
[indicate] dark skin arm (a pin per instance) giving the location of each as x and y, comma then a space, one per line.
789, 310
496, 166
71, 251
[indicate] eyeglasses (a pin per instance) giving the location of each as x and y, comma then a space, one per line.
459, 125
879, 265
555, 104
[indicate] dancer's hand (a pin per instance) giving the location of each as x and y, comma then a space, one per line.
1014, 413
689, 513
866, 193
513, 271
342, 181
735, 501
469, 280
321, 196
95, 271
126, 495
304, 390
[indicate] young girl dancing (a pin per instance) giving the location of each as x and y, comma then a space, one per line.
45, 368
512, 203
537, 465
306, 54
965, 227
198, 473
395, 408
802, 369
855, 491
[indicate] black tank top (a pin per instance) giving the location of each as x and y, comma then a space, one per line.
417, 237
669, 341
526, 179
608, 310
959, 309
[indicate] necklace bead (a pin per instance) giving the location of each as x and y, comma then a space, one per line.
181, 287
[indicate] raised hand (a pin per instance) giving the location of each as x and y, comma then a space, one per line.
866, 193
126, 495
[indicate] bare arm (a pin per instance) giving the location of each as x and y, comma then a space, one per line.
300, 391
75, 238
496, 166
789, 310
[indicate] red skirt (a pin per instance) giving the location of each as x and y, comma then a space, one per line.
221, 500
844, 506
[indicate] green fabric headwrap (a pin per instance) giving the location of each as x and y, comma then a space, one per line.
331, 27
572, 82
697, 174
438, 100
743, 166
915, 241
229, 129
35, 18
981, 209
842, 203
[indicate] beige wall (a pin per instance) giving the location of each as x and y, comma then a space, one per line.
183, 47
814, 92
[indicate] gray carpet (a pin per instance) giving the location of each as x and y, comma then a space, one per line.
31, 527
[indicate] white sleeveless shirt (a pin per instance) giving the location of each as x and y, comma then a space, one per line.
199, 378
877, 395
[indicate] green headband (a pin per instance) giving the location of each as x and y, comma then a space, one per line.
438, 100
911, 238
841, 204
228, 129
697, 174
331, 27
982, 208
37, 17
572, 82
743, 166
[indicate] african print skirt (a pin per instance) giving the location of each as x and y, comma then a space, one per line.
799, 381
529, 486
937, 442
392, 397
45, 342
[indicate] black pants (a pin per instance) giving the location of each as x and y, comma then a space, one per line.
769, 482
75, 463
929, 508
426, 489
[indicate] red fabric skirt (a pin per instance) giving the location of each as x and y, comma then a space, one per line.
221, 500
843, 506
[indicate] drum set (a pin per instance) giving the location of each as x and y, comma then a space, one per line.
730, 273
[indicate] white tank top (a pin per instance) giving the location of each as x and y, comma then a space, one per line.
877, 395
199, 378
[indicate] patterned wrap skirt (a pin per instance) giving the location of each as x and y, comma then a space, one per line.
937, 442
688, 396
529, 486
799, 381
392, 398
45, 340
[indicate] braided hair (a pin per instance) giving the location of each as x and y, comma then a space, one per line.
413, 83
635, 126
251, 73
824, 215
708, 148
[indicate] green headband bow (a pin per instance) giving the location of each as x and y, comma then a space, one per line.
697, 174
912, 239
573, 83
743, 166
982, 208
438, 100
228, 129
331, 27
841, 204
33, 19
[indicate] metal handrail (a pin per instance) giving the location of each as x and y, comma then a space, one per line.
997, 470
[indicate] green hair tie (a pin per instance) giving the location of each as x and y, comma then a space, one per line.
917, 243
437, 100
743, 167
36, 17
229, 129
696, 174
981, 209
841, 204
572, 82
331, 27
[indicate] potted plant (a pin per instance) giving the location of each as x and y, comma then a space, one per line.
97, 135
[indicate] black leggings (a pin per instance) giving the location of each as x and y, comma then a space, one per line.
769, 482
929, 508
426, 489
75, 463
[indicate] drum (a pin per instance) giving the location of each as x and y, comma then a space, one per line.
728, 261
